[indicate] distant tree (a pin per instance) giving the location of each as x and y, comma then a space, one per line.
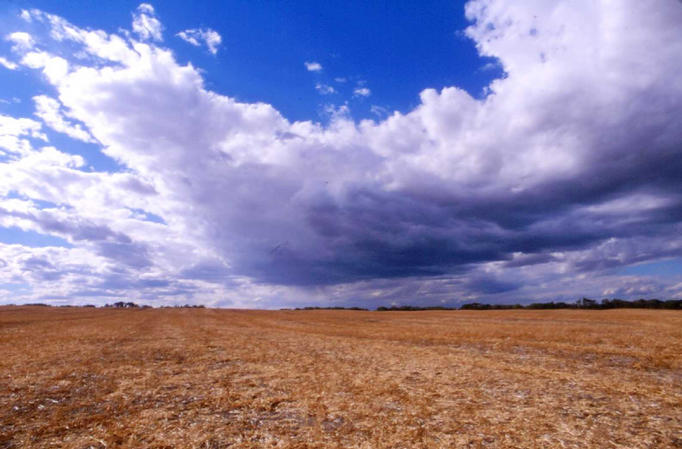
326, 308
583, 303
123, 305
586, 303
412, 308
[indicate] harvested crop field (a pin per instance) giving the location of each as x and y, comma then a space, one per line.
202, 378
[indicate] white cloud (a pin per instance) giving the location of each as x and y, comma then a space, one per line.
379, 111
361, 92
15, 134
199, 36
55, 68
511, 196
109, 48
324, 89
145, 23
339, 115
22, 41
48, 109
313, 66
7, 64
145, 8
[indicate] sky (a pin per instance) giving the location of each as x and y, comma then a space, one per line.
281, 154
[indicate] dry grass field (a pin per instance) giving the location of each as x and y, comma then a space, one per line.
201, 378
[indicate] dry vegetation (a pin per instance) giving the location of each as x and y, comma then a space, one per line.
95, 378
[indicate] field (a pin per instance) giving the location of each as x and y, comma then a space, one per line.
202, 378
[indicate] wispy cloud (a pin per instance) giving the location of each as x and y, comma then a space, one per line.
379, 111
49, 110
324, 89
202, 36
8, 64
361, 92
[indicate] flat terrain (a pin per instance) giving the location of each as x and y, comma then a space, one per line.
201, 378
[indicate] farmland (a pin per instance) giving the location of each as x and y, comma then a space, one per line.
204, 378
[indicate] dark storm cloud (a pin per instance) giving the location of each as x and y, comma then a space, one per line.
489, 285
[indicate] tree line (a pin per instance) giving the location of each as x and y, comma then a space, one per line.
583, 303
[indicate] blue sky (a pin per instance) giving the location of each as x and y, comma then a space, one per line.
393, 48
262, 154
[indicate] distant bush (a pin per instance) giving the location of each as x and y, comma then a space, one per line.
553, 305
479, 306
412, 308
184, 306
641, 304
123, 305
585, 303
328, 308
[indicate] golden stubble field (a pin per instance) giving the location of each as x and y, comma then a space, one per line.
202, 378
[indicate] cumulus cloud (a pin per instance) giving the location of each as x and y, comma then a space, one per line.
567, 169
202, 36
22, 41
313, 66
145, 23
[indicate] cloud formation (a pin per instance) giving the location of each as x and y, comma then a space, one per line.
313, 66
6, 63
49, 110
21, 41
202, 36
567, 169
362, 92
145, 23
324, 89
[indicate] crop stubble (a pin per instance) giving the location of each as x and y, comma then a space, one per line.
204, 378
